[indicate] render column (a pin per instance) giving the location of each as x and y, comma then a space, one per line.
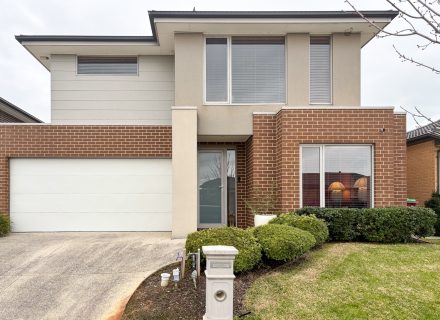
184, 171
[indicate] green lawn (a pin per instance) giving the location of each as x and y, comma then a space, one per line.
353, 281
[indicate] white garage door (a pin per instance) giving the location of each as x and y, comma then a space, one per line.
90, 194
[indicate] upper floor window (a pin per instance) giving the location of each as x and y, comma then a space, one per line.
320, 70
245, 70
107, 65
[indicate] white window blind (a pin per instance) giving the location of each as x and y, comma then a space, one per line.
258, 70
320, 70
107, 65
216, 70
348, 169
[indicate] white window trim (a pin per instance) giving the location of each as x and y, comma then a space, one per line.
107, 74
322, 171
331, 72
229, 84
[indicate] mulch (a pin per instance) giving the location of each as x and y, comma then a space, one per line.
151, 301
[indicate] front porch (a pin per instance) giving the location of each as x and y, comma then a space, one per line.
220, 173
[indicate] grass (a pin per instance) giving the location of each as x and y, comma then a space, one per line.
353, 281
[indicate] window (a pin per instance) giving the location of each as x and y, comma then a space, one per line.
217, 69
107, 65
320, 70
335, 176
256, 72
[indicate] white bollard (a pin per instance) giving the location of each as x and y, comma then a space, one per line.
219, 282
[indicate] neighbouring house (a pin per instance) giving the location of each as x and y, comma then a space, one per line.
176, 131
423, 147
11, 113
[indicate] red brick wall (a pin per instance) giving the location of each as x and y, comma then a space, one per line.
249, 177
422, 170
277, 139
76, 141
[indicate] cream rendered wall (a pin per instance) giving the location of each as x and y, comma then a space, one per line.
145, 98
184, 171
346, 69
189, 60
298, 74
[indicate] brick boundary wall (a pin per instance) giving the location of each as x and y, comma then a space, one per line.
78, 141
277, 138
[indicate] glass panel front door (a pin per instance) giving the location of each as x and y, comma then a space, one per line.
217, 187
210, 188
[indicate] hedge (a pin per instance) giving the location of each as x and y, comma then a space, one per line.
5, 226
434, 204
394, 224
249, 250
315, 226
342, 223
283, 243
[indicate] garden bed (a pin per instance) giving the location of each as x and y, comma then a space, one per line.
151, 301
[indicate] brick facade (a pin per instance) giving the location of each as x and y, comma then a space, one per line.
78, 141
268, 159
274, 149
422, 169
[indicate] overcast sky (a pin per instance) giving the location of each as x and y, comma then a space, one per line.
25, 82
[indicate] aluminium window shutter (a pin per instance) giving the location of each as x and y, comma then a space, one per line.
320, 70
107, 65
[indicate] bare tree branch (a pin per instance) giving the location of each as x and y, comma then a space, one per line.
422, 20
419, 115
417, 63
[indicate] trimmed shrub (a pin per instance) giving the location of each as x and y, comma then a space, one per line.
394, 224
5, 225
434, 204
283, 243
249, 250
424, 220
312, 224
342, 223
390, 225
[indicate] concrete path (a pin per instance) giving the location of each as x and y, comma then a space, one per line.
77, 275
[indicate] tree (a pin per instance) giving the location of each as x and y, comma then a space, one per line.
421, 20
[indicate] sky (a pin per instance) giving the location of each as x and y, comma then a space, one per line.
386, 81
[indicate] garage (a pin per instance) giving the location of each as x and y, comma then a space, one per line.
90, 195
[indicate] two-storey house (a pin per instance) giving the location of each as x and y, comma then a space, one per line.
179, 130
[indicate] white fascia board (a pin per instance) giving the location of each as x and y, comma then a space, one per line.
268, 20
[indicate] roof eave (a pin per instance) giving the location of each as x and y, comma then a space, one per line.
69, 38
22, 113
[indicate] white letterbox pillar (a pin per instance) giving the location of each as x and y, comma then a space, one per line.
219, 282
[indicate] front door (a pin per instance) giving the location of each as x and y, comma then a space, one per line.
216, 182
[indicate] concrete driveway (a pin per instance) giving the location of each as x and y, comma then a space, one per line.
77, 275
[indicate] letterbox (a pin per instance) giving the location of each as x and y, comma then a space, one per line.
219, 282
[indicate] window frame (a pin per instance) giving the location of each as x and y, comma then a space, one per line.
331, 71
107, 74
322, 169
229, 77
